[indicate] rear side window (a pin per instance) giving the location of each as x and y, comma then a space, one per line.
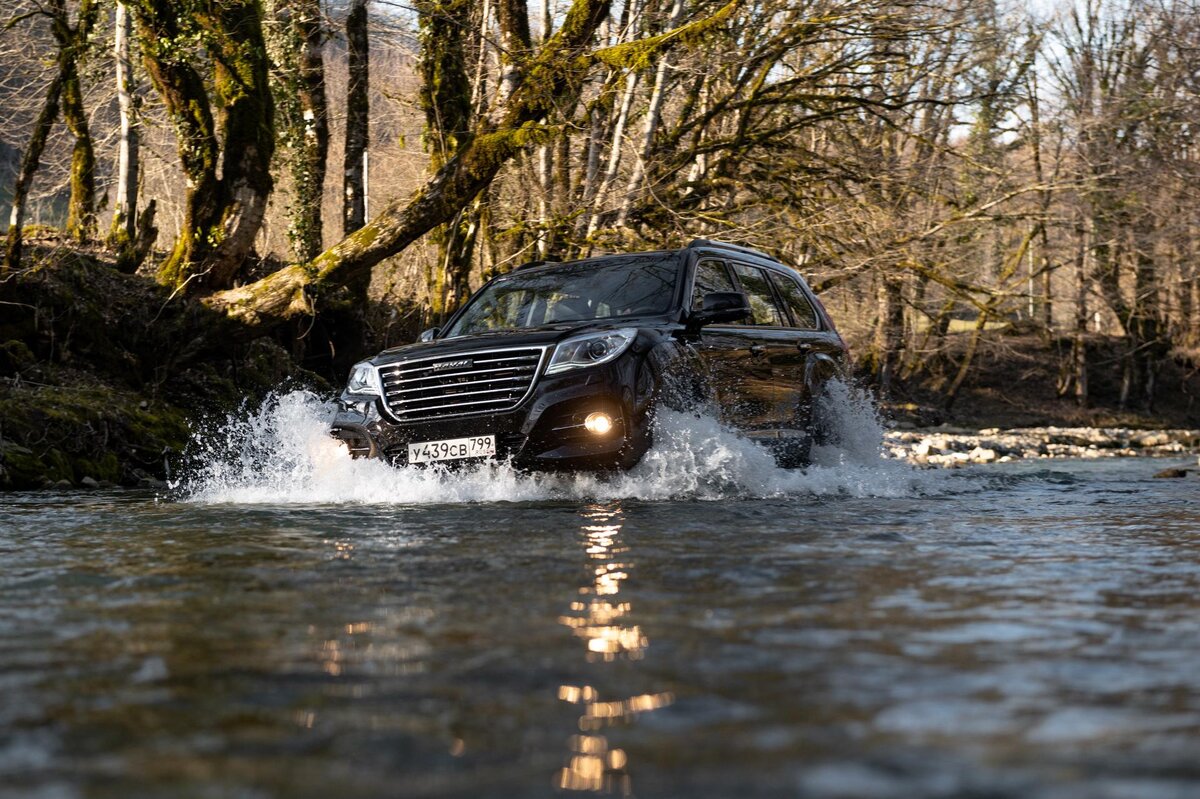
710, 276
763, 309
794, 298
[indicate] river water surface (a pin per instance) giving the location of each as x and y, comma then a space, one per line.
289, 623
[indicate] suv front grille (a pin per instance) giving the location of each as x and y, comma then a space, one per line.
484, 381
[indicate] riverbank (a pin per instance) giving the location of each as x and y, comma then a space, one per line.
959, 447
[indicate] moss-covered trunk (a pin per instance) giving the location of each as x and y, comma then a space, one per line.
302, 115
81, 210
229, 179
29, 166
64, 90
310, 171
446, 101
358, 110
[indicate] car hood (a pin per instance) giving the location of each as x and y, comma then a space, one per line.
529, 337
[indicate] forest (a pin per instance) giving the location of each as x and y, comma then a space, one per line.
208, 199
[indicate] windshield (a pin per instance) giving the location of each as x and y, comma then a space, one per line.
602, 288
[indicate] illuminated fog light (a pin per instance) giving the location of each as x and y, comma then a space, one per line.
598, 423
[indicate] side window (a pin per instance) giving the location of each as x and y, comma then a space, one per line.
795, 299
763, 309
710, 276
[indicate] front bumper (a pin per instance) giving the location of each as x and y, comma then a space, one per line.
545, 432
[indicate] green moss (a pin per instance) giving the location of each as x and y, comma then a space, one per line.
14, 356
641, 53
70, 432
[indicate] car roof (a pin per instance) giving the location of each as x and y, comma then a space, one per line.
553, 264
696, 244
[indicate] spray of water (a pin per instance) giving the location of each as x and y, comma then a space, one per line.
282, 453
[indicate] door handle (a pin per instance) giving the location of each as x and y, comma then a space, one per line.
804, 346
758, 349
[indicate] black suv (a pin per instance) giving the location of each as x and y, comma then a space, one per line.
561, 365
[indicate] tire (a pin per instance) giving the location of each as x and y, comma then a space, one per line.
793, 453
821, 429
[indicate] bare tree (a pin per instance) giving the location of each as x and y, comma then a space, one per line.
65, 90
124, 221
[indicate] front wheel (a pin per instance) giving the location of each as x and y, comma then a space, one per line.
820, 428
793, 453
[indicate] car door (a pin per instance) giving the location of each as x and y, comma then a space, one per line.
813, 353
768, 336
725, 351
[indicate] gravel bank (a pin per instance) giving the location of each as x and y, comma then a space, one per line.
958, 447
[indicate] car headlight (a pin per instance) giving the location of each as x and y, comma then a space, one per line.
590, 349
364, 379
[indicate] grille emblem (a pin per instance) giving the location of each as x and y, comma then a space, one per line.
462, 363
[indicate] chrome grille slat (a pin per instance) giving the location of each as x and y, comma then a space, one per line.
412, 366
396, 392
439, 375
413, 391
408, 401
454, 405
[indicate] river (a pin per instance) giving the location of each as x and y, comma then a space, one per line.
285, 622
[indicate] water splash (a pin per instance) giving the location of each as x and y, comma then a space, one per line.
282, 453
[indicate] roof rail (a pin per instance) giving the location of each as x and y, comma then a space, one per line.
532, 264
721, 245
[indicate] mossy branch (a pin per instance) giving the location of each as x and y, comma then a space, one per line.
641, 53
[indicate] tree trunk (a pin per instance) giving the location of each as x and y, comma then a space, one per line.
29, 166
616, 142
123, 232
358, 109
312, 147
1046, 196
1077, 371
1150, 343
446, 101
889, 331
599, 111
515, 43
969, 356
227, 189
81, 209
545, 161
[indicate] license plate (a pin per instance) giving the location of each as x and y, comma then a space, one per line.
452, 449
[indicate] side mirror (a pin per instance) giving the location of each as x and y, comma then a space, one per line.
430, 334
720, 306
